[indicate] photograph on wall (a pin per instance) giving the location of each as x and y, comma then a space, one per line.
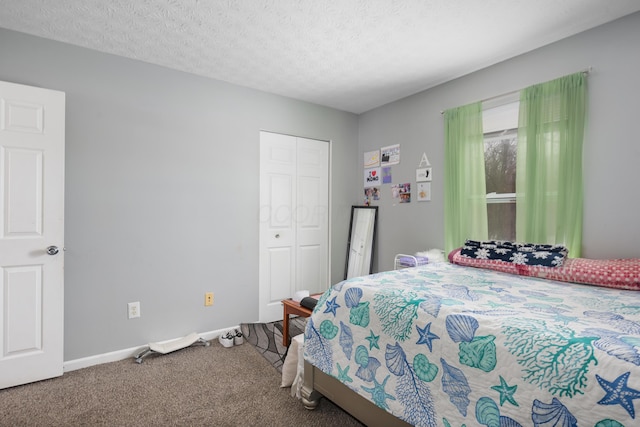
390, 155
424, 191
386, 175
371, 159
372, 194
402, 192
372, 177
423, 174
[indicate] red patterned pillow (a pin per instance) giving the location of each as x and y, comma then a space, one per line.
610, 273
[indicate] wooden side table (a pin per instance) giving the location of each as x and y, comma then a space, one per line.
294, 308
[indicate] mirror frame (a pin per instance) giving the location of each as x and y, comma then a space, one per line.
370, 239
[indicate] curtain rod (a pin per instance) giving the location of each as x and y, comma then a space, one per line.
586, 72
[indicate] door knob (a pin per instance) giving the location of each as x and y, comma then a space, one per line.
52, 250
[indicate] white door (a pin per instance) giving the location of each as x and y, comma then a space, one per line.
294, 220
31, 221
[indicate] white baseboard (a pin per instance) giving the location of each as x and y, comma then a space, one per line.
114, 356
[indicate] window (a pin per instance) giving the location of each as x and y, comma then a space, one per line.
500, 150
551, 122
500, 126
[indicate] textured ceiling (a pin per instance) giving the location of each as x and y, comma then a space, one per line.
353, 55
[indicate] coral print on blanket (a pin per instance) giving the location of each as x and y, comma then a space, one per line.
445, 345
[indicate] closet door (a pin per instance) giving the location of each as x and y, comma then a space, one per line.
294, 219
312, 216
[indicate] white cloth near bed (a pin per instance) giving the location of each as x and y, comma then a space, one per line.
293, 367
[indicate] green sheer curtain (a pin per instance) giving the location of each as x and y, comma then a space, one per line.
549, 190
465, 194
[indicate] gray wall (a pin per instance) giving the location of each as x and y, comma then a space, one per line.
162, 176
611, 149
162, 194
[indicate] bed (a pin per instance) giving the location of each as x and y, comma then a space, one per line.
450, 345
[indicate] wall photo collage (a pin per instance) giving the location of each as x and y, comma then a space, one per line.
378, 171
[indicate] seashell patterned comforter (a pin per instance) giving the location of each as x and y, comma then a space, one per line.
446, 345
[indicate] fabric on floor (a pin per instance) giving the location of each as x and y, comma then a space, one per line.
267, 338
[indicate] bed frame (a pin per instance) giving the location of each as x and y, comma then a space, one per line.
318, 384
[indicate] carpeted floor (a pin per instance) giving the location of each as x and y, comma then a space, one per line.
197, 386
267, 338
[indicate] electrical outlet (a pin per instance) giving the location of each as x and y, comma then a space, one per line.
133, 309
208, 299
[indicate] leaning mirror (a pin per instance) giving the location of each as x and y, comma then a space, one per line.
362, 238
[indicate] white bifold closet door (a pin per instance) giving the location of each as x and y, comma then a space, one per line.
294, 219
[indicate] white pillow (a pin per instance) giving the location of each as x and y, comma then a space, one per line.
290, 365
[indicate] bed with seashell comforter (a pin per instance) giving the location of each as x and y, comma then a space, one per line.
447, 345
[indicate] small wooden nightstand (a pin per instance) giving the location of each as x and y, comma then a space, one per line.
294, 308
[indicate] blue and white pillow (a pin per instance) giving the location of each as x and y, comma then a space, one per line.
516, 253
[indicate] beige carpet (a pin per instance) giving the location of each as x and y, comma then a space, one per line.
197, 386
